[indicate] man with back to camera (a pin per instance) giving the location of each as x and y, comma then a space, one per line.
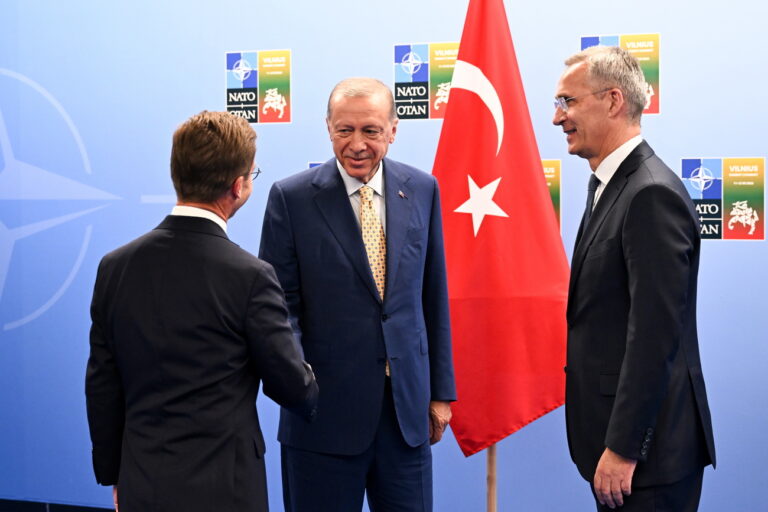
637, 416
357, 245
185, 325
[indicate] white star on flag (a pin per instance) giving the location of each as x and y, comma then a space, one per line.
480, 203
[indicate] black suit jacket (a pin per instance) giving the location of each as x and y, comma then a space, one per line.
185, 325
634, 381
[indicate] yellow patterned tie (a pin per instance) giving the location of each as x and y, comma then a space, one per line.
373, 238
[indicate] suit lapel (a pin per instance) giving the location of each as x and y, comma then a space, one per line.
603, 208
399, 200
332, 201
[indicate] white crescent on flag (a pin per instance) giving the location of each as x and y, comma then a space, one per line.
471, 78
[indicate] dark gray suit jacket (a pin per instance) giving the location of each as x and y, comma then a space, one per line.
634, 381
185, 326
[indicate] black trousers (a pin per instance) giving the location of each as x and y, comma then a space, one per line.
680, 496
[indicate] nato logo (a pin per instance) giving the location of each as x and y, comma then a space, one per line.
44, 227
703, 179
412, 81
242, 85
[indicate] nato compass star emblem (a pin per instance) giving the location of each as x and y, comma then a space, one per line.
701, 178
21, 182
242, 69
411, 63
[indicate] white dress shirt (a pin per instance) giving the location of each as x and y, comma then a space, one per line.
353, 191
193, 211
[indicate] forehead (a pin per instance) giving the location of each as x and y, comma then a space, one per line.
573, 78
347, 108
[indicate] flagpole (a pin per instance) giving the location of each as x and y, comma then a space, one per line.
491, 468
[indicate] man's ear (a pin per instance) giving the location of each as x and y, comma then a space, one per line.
237, 187
617, 102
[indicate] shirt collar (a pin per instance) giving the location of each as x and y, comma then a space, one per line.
611, 163
353, 184
193, 211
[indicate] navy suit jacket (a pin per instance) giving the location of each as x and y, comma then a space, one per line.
633, 380
313, 240
185, 327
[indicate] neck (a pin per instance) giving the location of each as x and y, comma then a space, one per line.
215, 207
612, 142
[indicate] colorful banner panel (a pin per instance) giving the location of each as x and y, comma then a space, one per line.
645, 47
729, 194
552, 175
259, 85
423, 79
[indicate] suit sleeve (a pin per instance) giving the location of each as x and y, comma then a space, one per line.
436, 315
660, 238
105, 402
277, 248
287, 379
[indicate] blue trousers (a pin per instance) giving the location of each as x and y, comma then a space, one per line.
395, 476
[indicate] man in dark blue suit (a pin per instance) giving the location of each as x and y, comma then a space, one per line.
186, 327
357, 246
636, 407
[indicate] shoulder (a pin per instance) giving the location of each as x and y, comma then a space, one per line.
409, 172
655, 177
303, 180
128, 250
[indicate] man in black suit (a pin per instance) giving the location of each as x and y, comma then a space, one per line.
185, 326
637, 416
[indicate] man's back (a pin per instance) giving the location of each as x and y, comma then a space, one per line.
193, 323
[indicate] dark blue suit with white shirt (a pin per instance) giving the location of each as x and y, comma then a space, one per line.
312, 238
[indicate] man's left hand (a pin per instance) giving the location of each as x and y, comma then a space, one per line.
613, 478
439, 417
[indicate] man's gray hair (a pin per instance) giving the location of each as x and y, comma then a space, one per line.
362, 87
610, 66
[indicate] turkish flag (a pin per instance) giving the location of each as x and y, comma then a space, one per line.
507, 269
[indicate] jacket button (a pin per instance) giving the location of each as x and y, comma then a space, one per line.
384, 317
565, 369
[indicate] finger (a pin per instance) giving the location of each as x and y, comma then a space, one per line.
626, 486
605, 493
616, 494
598, 489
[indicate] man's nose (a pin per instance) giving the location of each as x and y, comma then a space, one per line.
559, 116
358, 142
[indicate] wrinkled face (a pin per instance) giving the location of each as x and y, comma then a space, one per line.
361, 132
585, 122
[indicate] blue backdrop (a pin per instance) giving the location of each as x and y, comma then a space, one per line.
90, 93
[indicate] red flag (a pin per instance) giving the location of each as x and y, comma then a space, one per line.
507, 270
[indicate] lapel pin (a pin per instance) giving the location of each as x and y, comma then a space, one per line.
401, 194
